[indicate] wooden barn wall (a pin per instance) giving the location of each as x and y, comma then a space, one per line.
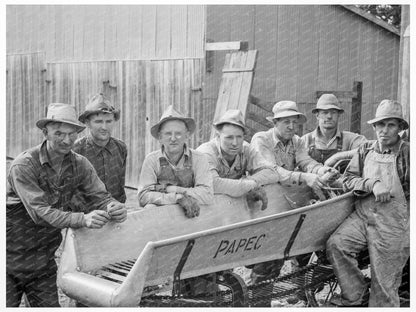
304, 49
141, 89
106, 32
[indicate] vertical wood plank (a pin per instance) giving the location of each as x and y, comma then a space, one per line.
149, 32
163, 31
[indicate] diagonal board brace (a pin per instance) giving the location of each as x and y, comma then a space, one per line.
177, 274
236, 83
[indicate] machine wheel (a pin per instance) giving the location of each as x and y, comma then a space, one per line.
237, 286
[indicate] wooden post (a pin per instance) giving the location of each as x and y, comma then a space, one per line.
355, 125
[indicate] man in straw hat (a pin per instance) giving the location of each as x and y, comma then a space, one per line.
379, 175
276, 154
176, 174
107, 154
229, 159
41, 182
327, 144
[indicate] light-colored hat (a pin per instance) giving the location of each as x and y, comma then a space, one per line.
286, 109
99, 104
327, 101
60, 112
172, 114
389, 109
233, 117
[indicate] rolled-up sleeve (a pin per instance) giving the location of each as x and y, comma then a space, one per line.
203, 189
353, 179
24, 181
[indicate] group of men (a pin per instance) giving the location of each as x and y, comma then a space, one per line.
52, 186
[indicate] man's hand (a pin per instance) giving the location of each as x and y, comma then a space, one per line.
96, 219
117, 212
255, 195
189, 205
381, 192
325, 169
329, 176
313, 181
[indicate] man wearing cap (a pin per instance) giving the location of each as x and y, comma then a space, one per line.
107, 154
379, 175
229, 159
327, 140
276, 153
175, 172
41, 182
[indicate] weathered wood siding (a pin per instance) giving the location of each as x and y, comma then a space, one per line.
106, 32
141, 89
304, 49
143, 57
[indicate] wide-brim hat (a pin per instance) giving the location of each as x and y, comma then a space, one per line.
60, 112
172, 114
233, 117
327, 101
286, 109
99, 104
389, 109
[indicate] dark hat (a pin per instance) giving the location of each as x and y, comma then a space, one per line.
233, 117
99, 104
286, 109
389, 109
327, 101
172, 114
60, 112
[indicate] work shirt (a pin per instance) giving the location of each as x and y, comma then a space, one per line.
202, 190
273, 161
227, 179
46, 193
350, 140
38, 205
353, 175
109, 162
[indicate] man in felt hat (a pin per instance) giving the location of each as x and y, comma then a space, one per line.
379, 174
327, 144
276, 153
229, 159
107, 154
175, 173
41, 182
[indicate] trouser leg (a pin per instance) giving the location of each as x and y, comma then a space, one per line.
388, 259
342, 248
14, 291
42, 290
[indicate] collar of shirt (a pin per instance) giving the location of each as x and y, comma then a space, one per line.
392, 150
318, 135
185, 155
278, 143
97, 148
44, 155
